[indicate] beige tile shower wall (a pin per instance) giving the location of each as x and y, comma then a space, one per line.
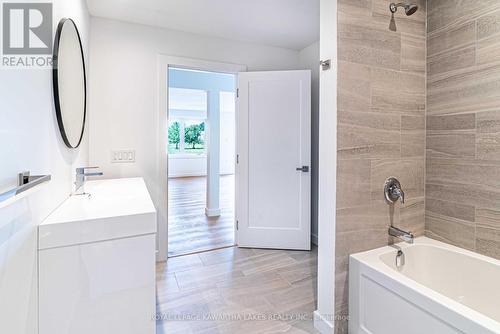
463, 124
381, 129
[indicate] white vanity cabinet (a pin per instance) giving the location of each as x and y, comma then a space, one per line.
97, 262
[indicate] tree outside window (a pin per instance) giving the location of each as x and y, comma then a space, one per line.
193, 140
174, 137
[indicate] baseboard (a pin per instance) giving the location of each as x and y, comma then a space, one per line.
321, 324
212, 212
314, 239
179, 176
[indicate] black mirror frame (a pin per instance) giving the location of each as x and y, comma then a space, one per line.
55, 83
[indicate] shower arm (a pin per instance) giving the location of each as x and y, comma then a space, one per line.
394, 6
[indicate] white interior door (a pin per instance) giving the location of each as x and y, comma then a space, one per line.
273, 144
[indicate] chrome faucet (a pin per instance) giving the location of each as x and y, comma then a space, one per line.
393, 191
81, 177
400, 234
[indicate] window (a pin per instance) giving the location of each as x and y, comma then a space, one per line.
186, 136
186, 127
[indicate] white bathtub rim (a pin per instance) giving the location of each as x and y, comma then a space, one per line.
417, 293
374, 254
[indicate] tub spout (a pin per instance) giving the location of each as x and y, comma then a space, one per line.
400, 234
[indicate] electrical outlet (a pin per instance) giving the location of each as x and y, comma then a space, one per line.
123, 156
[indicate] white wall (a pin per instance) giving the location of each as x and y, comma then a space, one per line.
187, 165
124, 87
309, 59
30, 140
324, 315
227, 142
196, 165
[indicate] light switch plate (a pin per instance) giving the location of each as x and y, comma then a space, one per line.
123, 156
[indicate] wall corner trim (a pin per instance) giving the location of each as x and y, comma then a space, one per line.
321, 324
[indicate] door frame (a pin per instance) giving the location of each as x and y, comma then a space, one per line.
164, 62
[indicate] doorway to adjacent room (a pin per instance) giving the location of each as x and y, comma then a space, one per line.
201, 160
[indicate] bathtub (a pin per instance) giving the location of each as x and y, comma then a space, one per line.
440, 289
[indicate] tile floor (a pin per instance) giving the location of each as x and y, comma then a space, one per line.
237, 290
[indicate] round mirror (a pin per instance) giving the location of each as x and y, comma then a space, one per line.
68, 77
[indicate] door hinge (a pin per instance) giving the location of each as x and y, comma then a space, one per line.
237, 92
237, 225
237, 158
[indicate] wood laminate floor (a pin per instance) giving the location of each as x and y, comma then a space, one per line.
189, 229
235, 290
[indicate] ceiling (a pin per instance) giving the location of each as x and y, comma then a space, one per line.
292, 24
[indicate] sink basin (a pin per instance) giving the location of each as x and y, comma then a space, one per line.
116, 208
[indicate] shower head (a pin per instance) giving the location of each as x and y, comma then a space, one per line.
410, 8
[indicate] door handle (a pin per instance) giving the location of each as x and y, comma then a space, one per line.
304, 169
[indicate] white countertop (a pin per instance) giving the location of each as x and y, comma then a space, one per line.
117, 208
